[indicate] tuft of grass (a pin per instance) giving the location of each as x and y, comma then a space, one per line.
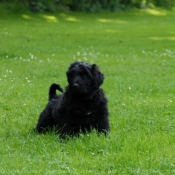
135, 51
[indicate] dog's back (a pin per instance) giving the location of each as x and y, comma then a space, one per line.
45, 121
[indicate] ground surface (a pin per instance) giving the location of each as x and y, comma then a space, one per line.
135, 51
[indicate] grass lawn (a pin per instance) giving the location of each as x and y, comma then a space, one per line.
136, 52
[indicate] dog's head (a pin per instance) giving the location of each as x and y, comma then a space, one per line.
84, 78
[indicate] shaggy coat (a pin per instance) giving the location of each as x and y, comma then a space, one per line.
81, 108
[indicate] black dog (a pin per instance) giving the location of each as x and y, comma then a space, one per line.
81, 108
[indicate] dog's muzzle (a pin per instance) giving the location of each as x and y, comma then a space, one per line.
75, 88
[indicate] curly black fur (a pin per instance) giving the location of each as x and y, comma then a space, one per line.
81, 108
52, 91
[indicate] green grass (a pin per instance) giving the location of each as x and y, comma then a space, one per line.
135, 50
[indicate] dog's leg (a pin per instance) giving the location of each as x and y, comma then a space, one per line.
45, 122
103, 126
64, 129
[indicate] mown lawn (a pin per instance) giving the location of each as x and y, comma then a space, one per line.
136, 52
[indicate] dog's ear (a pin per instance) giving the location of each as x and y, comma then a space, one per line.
97, 76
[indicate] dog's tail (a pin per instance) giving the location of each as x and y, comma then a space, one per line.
52, 91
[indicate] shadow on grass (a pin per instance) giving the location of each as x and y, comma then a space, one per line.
100, 17
51, 18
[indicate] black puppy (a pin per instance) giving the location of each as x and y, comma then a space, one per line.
81, 108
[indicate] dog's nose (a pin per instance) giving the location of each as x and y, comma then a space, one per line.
76, 85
